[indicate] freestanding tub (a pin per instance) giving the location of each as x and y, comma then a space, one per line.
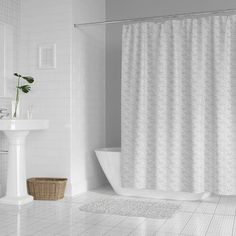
109, 159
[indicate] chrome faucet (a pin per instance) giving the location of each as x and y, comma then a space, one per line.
3, 113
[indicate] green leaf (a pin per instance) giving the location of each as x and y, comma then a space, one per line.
18, 75
24, 88
29, 79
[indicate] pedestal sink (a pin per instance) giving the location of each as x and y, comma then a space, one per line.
16, 132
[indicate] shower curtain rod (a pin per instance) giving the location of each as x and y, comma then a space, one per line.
153, 18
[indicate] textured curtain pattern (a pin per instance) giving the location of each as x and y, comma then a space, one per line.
178, 105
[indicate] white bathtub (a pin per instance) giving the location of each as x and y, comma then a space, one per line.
109, 159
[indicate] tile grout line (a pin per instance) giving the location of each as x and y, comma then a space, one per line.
92, 224
179, 211
234, 223
138, 224
115, 225
63, 218
213, 216
161, 226
190, 217
207, 213
70, 215
36, 219
112, 226
153, 218
118, 224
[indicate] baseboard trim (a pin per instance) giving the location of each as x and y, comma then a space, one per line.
75, 188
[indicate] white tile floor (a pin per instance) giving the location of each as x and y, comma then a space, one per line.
213, 217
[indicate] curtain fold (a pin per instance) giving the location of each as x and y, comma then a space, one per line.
178, 105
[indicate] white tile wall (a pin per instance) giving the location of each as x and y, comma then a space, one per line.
10, 14
88, 106
87, 96
10, 11
73, 101
48, 152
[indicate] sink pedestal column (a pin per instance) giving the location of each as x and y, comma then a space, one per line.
16, 177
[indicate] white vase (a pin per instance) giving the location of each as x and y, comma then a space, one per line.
13, 105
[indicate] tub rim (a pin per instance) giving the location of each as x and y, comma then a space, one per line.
109, 149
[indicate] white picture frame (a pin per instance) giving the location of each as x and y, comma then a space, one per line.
47, 56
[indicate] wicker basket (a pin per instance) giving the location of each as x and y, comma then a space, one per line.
46, 188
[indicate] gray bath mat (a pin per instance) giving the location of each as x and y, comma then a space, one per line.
128, 207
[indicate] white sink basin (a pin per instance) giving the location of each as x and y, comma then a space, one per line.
23, 125
16, 132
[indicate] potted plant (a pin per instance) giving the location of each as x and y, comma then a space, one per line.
21, 88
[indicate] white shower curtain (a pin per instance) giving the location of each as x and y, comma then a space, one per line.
179, 105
